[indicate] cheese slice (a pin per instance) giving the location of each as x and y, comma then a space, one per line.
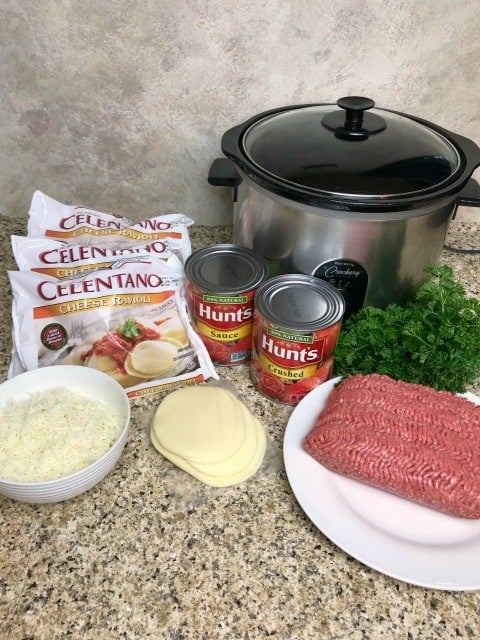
235, 476
226, 444
252, 443
201, 424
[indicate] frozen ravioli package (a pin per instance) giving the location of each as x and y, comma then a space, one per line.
129, 321
82, 225
64, 260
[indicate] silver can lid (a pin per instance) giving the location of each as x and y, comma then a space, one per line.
300, 302
226, 268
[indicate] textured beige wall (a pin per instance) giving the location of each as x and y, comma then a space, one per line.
120, 105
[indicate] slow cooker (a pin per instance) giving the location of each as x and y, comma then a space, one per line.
358, 196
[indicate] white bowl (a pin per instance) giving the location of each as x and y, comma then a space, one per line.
90, 382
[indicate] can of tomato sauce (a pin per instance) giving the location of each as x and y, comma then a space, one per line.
221, 283
295, 331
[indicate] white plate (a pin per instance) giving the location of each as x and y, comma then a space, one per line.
394, 536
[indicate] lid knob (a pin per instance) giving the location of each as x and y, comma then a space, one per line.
357, 125
354, 107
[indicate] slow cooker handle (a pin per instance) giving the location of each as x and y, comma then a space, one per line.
223, 174
469, 196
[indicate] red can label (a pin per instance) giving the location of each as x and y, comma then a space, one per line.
224, 323
286, 365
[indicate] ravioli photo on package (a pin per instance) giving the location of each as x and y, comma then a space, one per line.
129, 322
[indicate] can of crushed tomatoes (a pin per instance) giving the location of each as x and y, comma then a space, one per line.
296, 326
221, 283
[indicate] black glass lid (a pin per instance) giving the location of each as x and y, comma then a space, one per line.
350, 150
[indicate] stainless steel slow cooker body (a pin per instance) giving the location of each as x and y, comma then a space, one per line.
357, 196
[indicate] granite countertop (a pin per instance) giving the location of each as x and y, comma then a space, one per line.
144, 555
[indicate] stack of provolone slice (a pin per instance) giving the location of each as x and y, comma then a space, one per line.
210, 434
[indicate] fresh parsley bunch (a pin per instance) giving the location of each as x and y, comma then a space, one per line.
433, 339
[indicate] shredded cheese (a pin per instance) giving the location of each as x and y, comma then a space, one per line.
54, 433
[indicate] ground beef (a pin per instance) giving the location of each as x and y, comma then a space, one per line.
413, 441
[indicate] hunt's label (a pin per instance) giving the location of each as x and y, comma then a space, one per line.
286, 365
223, 322
289, 355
